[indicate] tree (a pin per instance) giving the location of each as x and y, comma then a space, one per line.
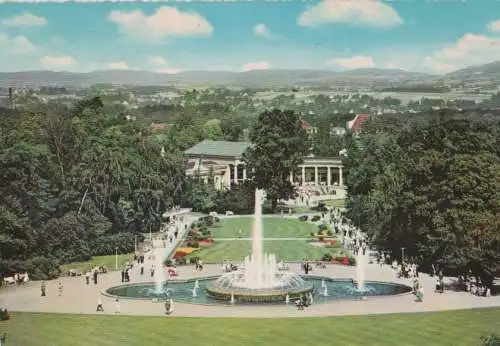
278, 146
431, 186
212, 130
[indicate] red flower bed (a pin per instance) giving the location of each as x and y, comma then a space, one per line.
180, 254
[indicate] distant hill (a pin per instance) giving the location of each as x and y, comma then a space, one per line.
490, 71
261, 78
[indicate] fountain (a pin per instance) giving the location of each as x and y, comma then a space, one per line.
259, 280
194, 293
159, 276
323, 283
196, 284
287, 299
325, 291
360, 271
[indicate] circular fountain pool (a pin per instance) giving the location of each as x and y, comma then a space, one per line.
323, 289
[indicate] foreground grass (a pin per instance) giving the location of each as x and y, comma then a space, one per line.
288, 250
274, 227
456, 328
106, 261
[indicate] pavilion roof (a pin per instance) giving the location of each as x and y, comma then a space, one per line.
218, 149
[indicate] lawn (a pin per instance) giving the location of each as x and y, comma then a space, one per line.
274, 227
336, 203
289, 250
106, 261
456, 328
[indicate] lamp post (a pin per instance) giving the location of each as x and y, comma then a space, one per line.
402, 255
116, 258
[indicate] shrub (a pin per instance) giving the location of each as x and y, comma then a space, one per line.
312, 234
194, 259
42, 268
193, 243
491, 340
106, 244
303, 218
167, 262
322, 227
329, 233
327, 257
320, 207
182, 261
352, 261
321, 238
315, 218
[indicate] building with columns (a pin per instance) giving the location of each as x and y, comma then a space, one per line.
223, 161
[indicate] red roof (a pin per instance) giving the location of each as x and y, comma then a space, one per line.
305, 124
359, 120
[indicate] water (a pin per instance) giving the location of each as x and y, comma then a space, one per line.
182, 291
360, 270
260, 270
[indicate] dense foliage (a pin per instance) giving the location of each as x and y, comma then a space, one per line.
78, 182
279, 145
432, 187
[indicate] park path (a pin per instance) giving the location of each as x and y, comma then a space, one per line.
80, 298
265, 239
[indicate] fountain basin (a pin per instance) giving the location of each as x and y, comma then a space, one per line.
181, 291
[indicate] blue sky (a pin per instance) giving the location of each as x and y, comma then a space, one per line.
416, 35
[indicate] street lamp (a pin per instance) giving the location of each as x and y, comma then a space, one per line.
402, 255
116, 258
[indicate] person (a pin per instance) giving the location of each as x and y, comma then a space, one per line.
60, 288
152, 270
142, 268
95, 277
117, 306
2, 338
167, 306
87, 277
99, 304
200, 265
43, 288
123, 275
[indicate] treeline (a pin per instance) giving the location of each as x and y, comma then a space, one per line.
431, 187
418, 89
79, 182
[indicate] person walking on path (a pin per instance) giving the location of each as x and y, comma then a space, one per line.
117, 306
43, 288
99, 304
60, 288
87, 277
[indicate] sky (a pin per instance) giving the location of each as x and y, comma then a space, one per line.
174, 36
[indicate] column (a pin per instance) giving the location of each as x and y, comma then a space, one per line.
228, 172
316, 175
291, 177
244, 174
329, 176
235, 173
341, 179
303, 175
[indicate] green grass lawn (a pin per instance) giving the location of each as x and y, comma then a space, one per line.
455, 328
336, 203
289, 250
274, 227
106, 261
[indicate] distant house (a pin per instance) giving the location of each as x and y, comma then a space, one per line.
357, 123
155, 127
307, 127
337, 131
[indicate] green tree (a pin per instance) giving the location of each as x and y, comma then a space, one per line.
278, 146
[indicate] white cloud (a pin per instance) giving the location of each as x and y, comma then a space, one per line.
470, 49
262, 30
360, 12
357, 61
25, 19
57, 62
167, 21
16, 45
494, 26
163, 64
252, 66
157, 60
118, 65
169, 70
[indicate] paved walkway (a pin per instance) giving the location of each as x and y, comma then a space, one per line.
77, 297
265, 239
80, 298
